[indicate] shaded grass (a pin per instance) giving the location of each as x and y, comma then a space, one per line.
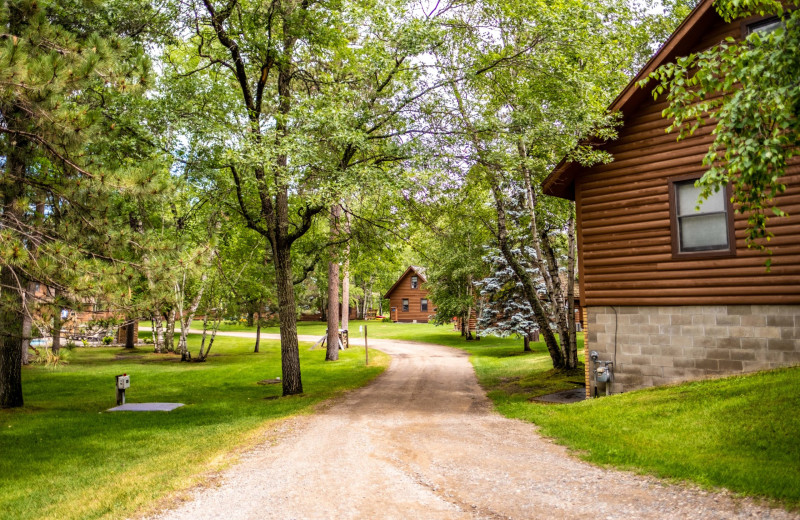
65, 456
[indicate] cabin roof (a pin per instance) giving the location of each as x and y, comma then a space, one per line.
419, 271
561, 181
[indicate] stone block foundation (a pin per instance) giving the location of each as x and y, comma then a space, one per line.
653, 346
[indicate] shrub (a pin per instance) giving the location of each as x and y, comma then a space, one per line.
108, 340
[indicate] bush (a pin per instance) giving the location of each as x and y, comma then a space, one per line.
387, 320
108, 340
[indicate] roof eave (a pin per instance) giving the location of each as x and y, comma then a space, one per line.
561, 181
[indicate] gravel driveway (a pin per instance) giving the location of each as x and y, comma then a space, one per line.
422, 441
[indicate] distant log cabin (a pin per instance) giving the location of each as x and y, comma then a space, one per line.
669, 296
408, 299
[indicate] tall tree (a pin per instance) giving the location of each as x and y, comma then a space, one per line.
63, 78
525, 81
301, 101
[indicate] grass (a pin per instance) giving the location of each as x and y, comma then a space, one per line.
64, 456
424, 332
739, 433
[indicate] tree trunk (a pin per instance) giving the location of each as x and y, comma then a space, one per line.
258, 332
27, 321
572, 353
290, 353
250, 316
346, 279
346, 292
169, 338
469, 307
523, 276
332, 353
186, 321
10, 339
526, 343
56, 332
158, 337
203, 355
130, 333
203, 340
562, 308
12, 286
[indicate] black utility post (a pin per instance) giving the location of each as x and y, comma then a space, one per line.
366, 348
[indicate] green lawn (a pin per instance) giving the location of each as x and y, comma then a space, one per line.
740, 433
425, 332
65, 456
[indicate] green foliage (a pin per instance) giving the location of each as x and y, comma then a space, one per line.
750, 89
46, 358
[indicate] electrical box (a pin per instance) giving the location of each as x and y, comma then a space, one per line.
123, 382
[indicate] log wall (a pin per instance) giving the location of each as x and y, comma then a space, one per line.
624, 232
403, 290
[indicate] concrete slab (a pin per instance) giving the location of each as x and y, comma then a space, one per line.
146, 407
564, 397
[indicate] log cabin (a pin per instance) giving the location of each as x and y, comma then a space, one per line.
408, 298
671, 292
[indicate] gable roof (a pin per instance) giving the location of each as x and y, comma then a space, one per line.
419, 271
561, 181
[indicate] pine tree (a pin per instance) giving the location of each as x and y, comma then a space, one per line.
65, 75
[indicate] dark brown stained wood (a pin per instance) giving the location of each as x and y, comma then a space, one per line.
635, 226
642, 199
662, 143
633, 214
722, 272
687, 156
402, 289
625, 267
623, 218
659, 241
633, 259
742, 283
751, 299
688, 292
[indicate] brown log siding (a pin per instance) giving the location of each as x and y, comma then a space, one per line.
404, 290
623, 215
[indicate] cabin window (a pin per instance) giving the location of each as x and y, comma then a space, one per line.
405, 304
704, 229
36, 288
423, 304
414, 282
765, 26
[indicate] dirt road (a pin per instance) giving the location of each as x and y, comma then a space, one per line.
423, 442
